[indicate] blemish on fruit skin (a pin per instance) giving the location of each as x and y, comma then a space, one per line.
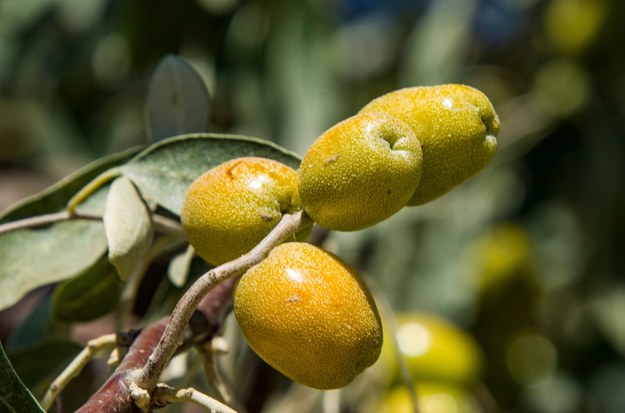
266, 217
333, 158
247, 198
230, 171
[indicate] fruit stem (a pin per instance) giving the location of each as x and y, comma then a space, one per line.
148, 376
91, 187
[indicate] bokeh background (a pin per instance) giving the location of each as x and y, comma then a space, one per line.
527, 257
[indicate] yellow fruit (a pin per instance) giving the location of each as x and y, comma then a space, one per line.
433, 349
432, 398
572, 25
360, 172
232, 207
309, 316
457, 126
500, 256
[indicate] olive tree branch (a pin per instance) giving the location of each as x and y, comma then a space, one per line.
75, 367
161, 223
148, 376
115, 396
208, 352
164, 395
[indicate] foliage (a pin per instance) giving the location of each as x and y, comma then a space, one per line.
15, 396
74, 88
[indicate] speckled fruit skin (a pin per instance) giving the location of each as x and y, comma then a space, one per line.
232, 207
360, 172
309, 315
457, 126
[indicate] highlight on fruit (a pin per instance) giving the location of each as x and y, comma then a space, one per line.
457, 127
232, 207
309, 316
360, 172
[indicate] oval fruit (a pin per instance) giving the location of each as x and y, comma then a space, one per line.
457, 126
433, 349
360, 172
309, 316
432, 398
232, 207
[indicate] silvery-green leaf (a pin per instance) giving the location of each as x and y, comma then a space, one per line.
178, 101
32, 258
164, 171
128, 226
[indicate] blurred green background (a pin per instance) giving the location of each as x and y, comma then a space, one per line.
527, 256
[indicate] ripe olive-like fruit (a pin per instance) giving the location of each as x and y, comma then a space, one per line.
309, 316
457, 126
232, 207
432, 398
360, 172
434, 350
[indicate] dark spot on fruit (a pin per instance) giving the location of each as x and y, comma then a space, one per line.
229, 171
266, 217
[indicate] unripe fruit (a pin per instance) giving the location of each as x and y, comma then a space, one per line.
457, 126
360, 172
432, 398
232, 207
433, 349
309, 316
501, 258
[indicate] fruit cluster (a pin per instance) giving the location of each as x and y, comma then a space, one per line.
302, 309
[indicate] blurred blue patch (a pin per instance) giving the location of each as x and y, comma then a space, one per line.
497, 23
349, 9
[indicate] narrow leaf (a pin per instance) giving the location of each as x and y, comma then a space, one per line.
14, 396
128, 226
87, 296
164, 171
32, 258
178, 101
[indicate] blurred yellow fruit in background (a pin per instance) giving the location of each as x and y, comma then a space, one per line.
572, 25
433, 349
432, 398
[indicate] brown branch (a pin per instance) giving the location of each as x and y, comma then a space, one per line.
114, 395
